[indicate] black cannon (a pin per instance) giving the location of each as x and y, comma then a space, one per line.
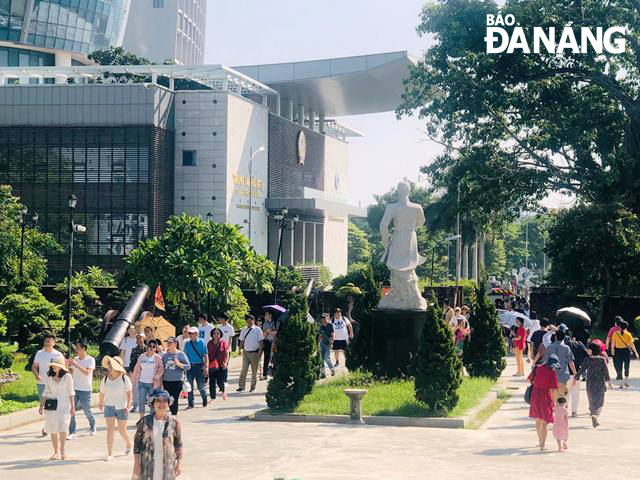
111, 343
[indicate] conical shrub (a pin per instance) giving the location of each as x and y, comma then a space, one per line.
297, 360
438, 368
485, 349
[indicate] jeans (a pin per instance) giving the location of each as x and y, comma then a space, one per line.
325, 353
40, 387
174, 388
196, 371
144, 390
621, 358
267, 357
217, 376
83, 400
253, 359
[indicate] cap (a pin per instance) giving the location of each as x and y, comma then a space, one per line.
192, 330
140, 334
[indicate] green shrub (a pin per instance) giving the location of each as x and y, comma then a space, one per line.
29, 313
6, 356
438, 368
297, 363
484, 349
87, 328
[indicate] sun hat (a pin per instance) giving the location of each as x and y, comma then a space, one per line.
60, 365
140, 334
192, 330
115, 363
159, 393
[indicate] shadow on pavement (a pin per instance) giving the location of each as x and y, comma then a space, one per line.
501, 452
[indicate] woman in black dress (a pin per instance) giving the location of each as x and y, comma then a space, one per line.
597, 374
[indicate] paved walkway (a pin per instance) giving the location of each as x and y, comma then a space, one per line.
218, 445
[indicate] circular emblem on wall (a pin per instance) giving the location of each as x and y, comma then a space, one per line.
336, 181
302, 147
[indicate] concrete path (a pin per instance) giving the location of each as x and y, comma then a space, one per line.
219, 445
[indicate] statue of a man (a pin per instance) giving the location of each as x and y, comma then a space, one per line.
401, 252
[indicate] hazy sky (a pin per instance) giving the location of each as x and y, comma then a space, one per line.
245, 32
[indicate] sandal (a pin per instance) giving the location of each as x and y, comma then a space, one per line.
54, 456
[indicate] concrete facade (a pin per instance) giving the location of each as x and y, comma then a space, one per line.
223, 129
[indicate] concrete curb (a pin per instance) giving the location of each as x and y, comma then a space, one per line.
31, 415
426, 422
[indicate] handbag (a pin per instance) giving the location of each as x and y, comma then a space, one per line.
529, 390
51, 404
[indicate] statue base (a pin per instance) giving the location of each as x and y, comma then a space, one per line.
394, 339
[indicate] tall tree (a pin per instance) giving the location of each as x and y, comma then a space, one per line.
516, 125
36, 245
359, 249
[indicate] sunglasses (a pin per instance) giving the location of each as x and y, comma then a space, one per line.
151, 346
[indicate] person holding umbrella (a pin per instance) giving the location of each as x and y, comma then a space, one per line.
621, 347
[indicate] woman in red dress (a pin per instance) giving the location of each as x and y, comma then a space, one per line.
545, 381
518, 346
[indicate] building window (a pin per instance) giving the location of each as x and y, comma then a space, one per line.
158, 3
189, 158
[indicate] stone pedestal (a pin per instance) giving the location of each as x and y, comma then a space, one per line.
394, 339
355, 409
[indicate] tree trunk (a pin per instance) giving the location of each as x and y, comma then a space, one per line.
465, 261
604, 299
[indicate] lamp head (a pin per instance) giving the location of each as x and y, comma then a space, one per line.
296, 219
24, 210
284, 211
73, 201
35, 218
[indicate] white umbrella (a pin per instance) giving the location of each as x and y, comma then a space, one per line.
576, 312
508, 318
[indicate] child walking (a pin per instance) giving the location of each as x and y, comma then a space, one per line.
561, 424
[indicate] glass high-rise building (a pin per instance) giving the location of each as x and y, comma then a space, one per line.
151, 23
58, 32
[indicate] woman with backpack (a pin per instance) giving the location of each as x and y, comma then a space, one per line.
115, 400
621, 347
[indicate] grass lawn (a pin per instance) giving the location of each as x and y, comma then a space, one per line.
395, 398
23, 393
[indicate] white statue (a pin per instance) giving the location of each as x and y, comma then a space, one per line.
401, 252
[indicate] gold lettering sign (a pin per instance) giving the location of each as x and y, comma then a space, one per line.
242, 183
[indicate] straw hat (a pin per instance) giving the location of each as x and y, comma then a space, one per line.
115, 363
59, 365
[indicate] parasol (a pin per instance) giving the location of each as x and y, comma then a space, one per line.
275, 308
508, 318
571, 315
162, 329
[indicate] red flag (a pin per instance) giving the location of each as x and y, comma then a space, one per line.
159, 301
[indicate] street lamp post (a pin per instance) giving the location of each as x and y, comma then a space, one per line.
433, 253
209, 219
73, 228
281, 222
23, 223
251, 155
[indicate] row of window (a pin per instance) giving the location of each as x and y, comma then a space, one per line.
16, 57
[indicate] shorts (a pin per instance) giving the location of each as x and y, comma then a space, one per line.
339, 344
111, 411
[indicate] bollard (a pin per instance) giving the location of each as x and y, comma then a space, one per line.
355, 397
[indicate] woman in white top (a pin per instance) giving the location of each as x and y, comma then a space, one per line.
115, 400
342, 332
128, 344
58, 405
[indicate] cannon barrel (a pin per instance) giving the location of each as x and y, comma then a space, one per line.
111, 343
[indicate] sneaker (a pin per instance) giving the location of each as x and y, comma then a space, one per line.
594, 422
108, 458
574, 414
44, 434
627, 385
204, 402
239, 389
190, 407
333, 373
253, 389
72, 436
224, 396
93, 432
337, 364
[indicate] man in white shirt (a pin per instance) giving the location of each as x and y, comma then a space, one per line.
251, 338
226, 328
126, 346
82, 367
342, 332
41, 363
204, 328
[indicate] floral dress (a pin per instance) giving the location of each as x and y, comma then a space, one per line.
143, 445
597, 374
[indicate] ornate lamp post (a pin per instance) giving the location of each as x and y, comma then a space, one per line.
73, 228
22, 220
281, 222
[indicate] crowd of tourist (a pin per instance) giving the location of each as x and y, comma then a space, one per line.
150, 373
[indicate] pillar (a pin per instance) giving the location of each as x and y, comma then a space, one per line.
312, 119
300, 118
465, 261
63, 59
171, 83
321, 120
481, 252
288, 109
474, 264
154, 78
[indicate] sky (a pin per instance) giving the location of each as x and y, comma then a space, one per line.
247, 32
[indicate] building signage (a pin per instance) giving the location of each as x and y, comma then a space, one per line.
242, 183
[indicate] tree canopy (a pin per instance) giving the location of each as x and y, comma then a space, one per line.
36, 245
516, 125
194, 257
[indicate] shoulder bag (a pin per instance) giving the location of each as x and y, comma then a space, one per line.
529, 390
626, 344
196, 350
51, 404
